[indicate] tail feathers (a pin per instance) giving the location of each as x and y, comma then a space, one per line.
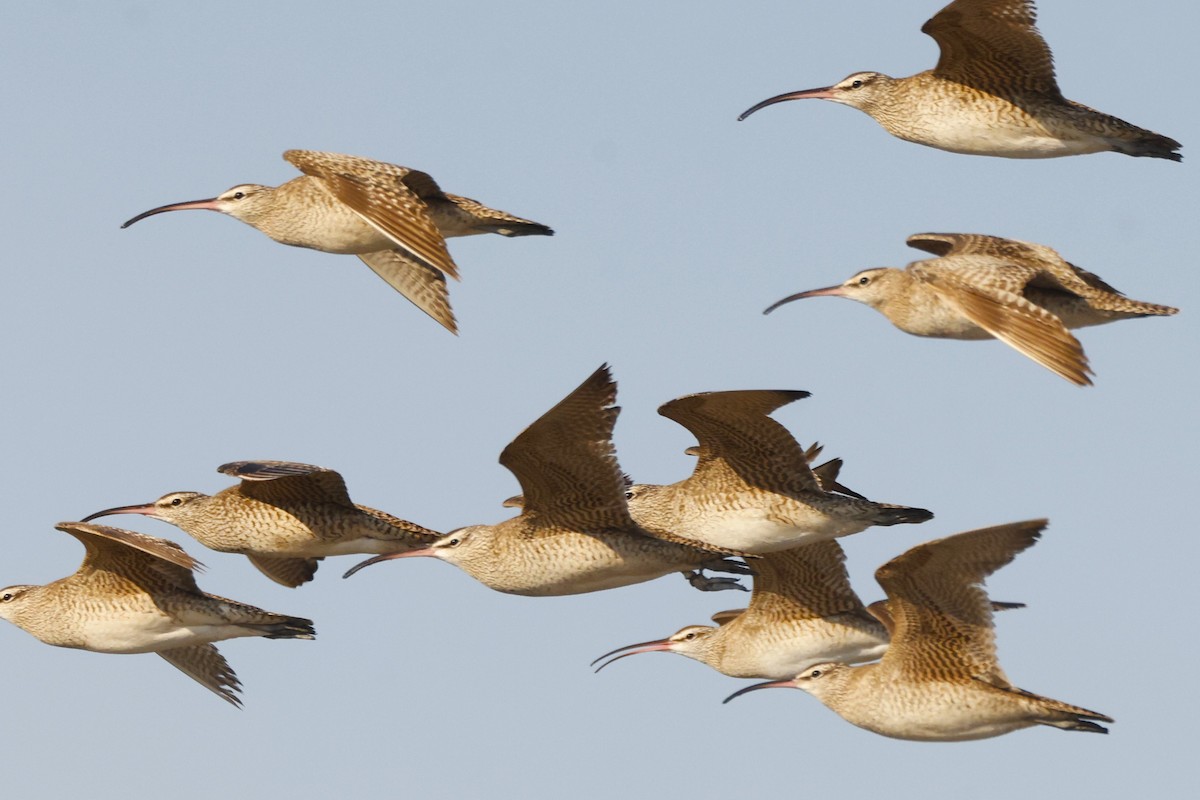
491, 220
1058, 714
1077, 722
520, 228
1152, 145
887, 514
1123, 305
287, 628
1001, 605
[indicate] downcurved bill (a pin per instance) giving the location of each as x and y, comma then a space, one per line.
641, 647
790, 683
823, 93
828, 291
208, 205
425, 551
146, 509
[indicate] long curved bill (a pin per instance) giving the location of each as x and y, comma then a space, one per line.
146, 509
641, 647
425, 551
207, 205
828, 291
788, 684
823, 93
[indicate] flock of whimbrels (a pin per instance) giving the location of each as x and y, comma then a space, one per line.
919, 665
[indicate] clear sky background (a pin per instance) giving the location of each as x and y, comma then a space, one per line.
136, 361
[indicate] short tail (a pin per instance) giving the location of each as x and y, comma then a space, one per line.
1058, 714
288, 628
522, 227
1144, 143
1078, 721
887, 514
492, 220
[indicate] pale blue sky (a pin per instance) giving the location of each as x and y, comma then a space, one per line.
138, 360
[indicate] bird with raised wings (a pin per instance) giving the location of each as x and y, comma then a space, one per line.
992, 93
752, 488
802, 611
574, 533
939, 679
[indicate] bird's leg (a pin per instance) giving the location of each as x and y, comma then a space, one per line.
707, 583
727, 566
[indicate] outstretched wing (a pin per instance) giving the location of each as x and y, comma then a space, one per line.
739, 440
566, 463
205, 665
941, 615
993, 45
145, 560
421, 284
807, 582
285, 483
1002, 311
378, 192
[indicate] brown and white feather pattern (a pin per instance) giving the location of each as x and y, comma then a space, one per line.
939, 679
567, 467
285, 516
994, 46
145, 561
981, 286
752, 487
204, 664
566, 463
376, 192
740, 443
135, 593
941, 614
808, 582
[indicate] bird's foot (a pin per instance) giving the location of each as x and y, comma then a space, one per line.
708, 583
727, 566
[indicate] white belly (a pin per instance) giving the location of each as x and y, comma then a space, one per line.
761, 529
151, 632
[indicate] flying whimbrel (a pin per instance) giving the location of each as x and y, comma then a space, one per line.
803, 611
982, 287
752, 488
394, 218
136, 594
939, 679
992, 93
574, 533
285, 517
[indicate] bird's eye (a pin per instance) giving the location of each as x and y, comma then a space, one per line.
175, 501
690, 636
816, 673
856, 84
7, 596
864, 280
454, 543
238, 195
629, 495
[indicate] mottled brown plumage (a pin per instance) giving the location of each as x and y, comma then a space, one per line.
136, 594
285, 517
993, 92
574, 533
939, 680
752, 488
802, 611
981, 287
394, 218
